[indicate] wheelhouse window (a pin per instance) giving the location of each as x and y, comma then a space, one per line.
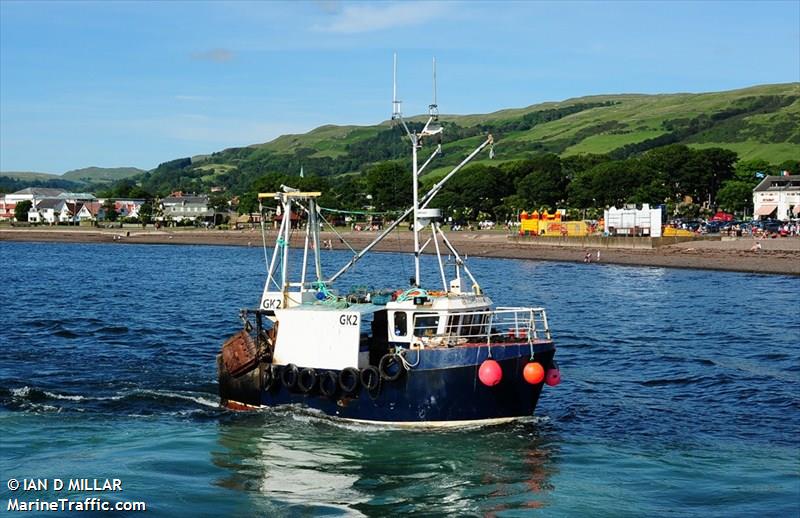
466, 325
400, 323
474, 325
426, 325
453, 322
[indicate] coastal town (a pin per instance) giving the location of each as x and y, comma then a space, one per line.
775, 210
766, 242
52, 207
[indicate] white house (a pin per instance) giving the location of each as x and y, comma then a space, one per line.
69, 212
777, 197
32, 194
57, 210
88, 211
47, 210
179, 208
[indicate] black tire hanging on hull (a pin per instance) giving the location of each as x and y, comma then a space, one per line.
349, 380
328, 383
289, 376
370, 378
390, 367
307, 380
267, 376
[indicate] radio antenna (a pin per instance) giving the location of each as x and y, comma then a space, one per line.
433, 109
395, 103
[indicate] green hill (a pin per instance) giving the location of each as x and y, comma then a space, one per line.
87, 179
757, 122
760, 122
29, 176
101, 174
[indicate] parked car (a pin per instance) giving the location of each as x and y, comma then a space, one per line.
713, 227
771, 226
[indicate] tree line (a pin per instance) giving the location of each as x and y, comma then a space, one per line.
688, 181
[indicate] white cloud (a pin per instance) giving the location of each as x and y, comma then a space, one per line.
365, 17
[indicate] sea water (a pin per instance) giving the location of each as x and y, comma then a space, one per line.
681, 394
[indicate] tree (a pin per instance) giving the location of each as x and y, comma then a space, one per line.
21, 210
348, 193
478, 188
670, 162
545, 185
146, 213
219, 204
110, 210
652, 185
752, 171
793, 166
389, 183
706, 171
574, 165
735, 196
616, 183
248, 203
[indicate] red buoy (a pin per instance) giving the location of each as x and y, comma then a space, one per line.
533, 373
490, 373
553, 377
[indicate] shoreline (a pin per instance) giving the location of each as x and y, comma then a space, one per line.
780, 256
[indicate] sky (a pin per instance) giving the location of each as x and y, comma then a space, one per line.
114, 84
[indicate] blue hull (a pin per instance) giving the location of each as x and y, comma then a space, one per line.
442, 385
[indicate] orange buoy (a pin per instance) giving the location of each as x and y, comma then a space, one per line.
490, 373
533, 373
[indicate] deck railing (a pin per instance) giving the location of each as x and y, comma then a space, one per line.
504, 324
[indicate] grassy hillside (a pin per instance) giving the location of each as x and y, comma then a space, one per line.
101, 174
757, 122
627, 119
29, 176
11, 181
87, 179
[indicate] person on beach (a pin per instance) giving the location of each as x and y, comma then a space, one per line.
587, 258
598, 255
756, 247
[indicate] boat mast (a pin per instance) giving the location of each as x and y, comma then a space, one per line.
432, 127
288, 198
398, 116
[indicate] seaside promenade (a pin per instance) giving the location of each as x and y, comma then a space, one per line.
776, 255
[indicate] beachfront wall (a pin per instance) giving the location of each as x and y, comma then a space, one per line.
632, 221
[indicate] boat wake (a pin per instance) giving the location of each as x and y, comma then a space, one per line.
134, 402
302, 414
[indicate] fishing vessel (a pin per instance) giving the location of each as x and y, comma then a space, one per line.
418, 352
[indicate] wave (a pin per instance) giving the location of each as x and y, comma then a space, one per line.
65, 333
669, 381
